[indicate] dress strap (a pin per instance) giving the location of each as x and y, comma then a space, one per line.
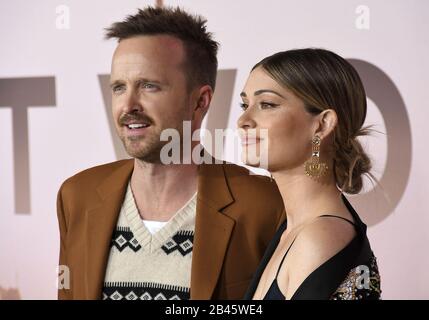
333, 216
281, 262
287, 251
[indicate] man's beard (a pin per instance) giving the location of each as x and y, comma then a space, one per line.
146, 148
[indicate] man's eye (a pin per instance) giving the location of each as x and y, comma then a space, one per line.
244, 106
117, 89
149, 86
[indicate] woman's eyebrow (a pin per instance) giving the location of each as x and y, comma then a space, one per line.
258, 92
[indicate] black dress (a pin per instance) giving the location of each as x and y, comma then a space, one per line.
351, 274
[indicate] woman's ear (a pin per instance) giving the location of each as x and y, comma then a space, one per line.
326, 123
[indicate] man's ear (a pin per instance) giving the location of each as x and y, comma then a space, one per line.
204, 96
327, 120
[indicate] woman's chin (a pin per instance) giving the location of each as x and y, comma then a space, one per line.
251, 160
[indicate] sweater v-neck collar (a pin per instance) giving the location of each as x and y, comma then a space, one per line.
154, 242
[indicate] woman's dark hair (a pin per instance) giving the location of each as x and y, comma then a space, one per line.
324, 80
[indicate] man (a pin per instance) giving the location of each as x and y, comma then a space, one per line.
143, 229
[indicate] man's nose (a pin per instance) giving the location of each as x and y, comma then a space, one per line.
132, 103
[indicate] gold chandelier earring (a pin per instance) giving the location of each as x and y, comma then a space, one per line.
313, 167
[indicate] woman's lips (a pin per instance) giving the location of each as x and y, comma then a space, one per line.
249, 141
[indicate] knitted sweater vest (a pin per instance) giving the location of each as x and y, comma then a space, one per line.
149, 266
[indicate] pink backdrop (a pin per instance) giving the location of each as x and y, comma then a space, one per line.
54, 114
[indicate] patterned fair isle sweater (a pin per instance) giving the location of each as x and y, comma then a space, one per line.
149, 266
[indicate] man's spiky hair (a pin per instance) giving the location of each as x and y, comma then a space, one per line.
200, 48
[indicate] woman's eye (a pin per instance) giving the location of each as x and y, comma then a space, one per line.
243, 106
268, 105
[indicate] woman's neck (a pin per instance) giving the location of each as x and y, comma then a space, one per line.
306, 198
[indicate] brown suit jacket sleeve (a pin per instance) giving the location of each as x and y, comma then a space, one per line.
258, 212
63, 293
76, 195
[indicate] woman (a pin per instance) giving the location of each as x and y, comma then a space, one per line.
312, 104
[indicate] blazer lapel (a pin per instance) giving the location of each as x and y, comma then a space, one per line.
100, 223
212, 230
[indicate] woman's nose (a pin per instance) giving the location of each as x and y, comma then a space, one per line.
246, 121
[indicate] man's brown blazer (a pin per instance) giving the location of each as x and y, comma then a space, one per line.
236, 216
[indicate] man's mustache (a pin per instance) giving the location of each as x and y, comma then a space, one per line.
127, 118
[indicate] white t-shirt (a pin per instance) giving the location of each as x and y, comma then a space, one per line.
154, 226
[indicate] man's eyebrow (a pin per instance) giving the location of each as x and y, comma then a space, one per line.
116, 82
139, 80
258, 92
146, 80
